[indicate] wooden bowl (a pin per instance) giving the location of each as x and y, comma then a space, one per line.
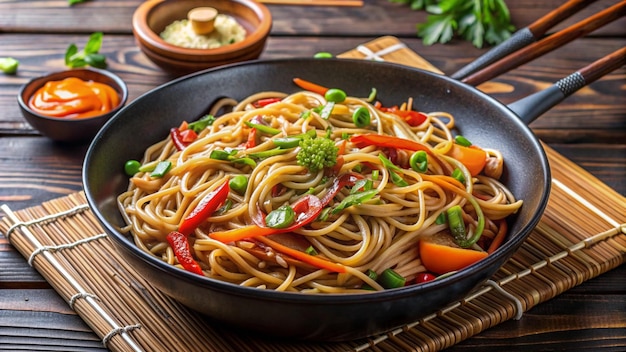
151, 18
71, 130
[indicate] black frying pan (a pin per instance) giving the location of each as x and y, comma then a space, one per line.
482, 119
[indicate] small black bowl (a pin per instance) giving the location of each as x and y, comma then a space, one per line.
73, 130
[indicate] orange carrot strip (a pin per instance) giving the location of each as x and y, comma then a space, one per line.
499, 238
302, 256
242, 233
473, 158
441, 259
310, 86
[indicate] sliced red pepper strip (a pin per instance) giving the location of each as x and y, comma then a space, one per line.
380, 140
205, 208
266, 101
316, 261
310, 86
180, 246
177, 139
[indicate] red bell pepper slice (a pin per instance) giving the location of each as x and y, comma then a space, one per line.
413, 118
380, 140
205, 208
182, 251
265, 102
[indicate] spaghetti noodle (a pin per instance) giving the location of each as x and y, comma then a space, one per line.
376, 202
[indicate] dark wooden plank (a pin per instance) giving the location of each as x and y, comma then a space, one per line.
374, 18
39, 320
596, 113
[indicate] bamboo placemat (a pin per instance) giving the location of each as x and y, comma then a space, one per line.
581, 235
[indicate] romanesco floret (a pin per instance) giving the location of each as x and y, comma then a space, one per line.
317, 153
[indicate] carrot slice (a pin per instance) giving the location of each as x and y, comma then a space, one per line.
310, 86
241, 233
441, 259
499, 238
316, 261
473, 158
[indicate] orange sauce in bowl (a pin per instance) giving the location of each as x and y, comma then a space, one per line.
74, 98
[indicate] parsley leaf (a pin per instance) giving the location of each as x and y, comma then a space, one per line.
477, 21
89, 56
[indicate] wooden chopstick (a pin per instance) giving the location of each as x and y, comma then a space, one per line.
547, 44
522, 37
315, 2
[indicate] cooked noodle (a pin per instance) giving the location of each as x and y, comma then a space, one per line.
381, 233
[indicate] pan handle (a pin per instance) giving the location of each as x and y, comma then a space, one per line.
534, 105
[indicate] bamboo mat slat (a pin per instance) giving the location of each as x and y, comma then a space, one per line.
581, 235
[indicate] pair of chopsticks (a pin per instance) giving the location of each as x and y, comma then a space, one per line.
526, 45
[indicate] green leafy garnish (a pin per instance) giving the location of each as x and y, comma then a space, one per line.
89, 56
73, 2
477, 21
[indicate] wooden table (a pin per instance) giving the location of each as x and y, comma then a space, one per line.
589, 128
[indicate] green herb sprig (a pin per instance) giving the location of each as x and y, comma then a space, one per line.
477, 21
89, 56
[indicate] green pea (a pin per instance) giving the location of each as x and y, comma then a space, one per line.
361, 117
281, 217
323, 55
419, 161
335, 95
132, 167
239, 184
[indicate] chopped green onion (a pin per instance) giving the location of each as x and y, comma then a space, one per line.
372, 95
455, 221
441, 219
345, 136
357, 168
239, 184
161, 169
361, 117
219, 154
310, 251
371, 274
387, 163
327, 110
397, 179
293, 141
268, 153
362, 185
390, 279
228, 204
355, 199
281, 217
247, 161
132, 167
201, 124
324, 214
263, 128
462, 141
305, 115
335, 95
375, 174
419, 161
457, 174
